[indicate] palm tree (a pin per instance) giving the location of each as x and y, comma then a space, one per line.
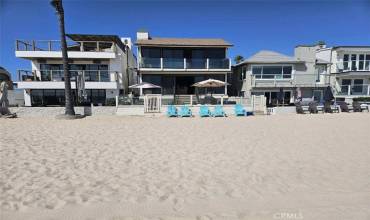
238, 59
69, 110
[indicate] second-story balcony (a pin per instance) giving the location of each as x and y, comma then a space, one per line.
289, 80
58, 75
185, 64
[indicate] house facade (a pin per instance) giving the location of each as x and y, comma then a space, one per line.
270, 73
350, 68
104, 62
176, 64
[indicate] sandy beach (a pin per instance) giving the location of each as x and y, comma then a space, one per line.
115, 168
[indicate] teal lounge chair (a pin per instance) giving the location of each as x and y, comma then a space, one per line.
204, 111
219, 111
185, 111
239, 110
172, 111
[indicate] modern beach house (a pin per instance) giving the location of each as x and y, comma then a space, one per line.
105, 62
176, 64
350, 68
272, 74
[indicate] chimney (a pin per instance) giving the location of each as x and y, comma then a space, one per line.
142, 35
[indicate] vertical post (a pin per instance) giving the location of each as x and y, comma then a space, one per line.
349, 90
184, 63
33, 45
49, 45
161, 63
191, 100
17, 44
368, 89
225, 92
222, 100
99, 77
116, 101
82, 46
207, 63
97, 46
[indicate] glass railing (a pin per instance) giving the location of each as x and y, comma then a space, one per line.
58, 75
363, 65
196, 63
273, 76
147, 62
173, 63
359, 89
219, 63
55, 45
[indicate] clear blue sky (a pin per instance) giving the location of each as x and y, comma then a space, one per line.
250, 25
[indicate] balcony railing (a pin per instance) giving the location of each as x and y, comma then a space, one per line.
276, 80
58, 75
184, 63
55, 45
354, 90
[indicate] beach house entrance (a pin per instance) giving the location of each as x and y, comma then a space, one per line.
152, 103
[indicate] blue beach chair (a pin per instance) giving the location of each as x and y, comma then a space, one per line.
185, 111
239, 110
204, 111
219, 111
171, 111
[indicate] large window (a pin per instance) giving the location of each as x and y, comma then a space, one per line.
272, 72
356, 62
52, 97
93, 72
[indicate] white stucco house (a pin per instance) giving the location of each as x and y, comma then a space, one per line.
106, 63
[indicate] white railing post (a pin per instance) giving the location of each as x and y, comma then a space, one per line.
191, 100
349, 90
207, 63
161, 63
368, 89
116, 101
222, 100
185, 63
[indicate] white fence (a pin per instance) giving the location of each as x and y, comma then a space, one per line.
152, 103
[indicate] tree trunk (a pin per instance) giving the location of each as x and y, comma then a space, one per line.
69, 110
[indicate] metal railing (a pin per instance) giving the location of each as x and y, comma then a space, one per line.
354, 90
184, 63
289, 79
55, 45
58, 75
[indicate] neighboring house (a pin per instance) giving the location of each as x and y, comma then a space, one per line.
268, 72
176, 64
106, 63
5, 76
350, 67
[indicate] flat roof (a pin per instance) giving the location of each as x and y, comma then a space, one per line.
184, 42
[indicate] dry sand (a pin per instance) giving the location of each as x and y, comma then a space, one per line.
263, 167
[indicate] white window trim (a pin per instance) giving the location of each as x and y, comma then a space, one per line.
357, 61
282, 65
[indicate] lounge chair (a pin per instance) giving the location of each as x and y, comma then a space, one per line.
312, 108
356, 106
172, 111
204, 111
185, 111
239, 110
219, 111
298, 108
344, 107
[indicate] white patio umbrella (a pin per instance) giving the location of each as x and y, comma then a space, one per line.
144, 85
210, 83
